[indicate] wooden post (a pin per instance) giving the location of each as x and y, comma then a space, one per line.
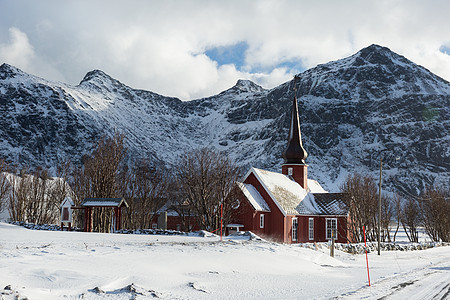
332, 243
86, 220
115, 219
119, 218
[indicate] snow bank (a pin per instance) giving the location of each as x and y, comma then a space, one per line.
371, 247
52, 227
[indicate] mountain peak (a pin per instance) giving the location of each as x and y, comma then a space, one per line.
375, 47
376, 54
99, 80
244, 85
8, 71
96, 74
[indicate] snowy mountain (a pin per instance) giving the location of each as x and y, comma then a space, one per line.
353, 111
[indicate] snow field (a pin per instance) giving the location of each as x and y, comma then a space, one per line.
73, 265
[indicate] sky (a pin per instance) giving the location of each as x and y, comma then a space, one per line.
192, 49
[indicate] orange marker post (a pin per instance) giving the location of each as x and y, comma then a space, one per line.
221, 218
367, 260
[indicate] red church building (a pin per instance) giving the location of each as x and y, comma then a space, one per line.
288, 207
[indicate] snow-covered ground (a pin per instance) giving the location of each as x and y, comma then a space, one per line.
75, 265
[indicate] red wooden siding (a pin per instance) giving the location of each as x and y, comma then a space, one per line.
320, 229
275, 221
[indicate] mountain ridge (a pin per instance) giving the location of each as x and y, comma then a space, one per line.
352, 109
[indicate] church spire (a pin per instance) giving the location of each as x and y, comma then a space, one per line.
295, 153
294, 157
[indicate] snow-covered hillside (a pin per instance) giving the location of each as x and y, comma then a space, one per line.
353, 111
75, 265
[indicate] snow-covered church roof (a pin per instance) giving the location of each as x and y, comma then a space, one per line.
253, 196
292, 199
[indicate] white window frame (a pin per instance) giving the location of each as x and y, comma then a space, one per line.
328, 234
294, 229
261, 221
311, 228
155, 226
290, 171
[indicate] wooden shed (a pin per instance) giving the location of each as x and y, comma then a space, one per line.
115, 203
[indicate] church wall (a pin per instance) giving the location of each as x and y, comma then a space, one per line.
274, 228
245, 214
320, 229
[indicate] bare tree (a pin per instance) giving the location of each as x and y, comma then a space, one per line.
30, 197
387, 211
363, 206
146, 192
81, 187
178, 203
59, 188
20, 187
5, 187
38, 208
99, 177
435, 206
411, 219
33, 197
205, 178
397, 211
103, 166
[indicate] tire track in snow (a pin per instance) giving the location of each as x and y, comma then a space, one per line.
431, 282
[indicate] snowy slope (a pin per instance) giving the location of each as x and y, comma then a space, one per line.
353, 111
75, 265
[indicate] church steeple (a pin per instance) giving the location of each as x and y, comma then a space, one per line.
295, 155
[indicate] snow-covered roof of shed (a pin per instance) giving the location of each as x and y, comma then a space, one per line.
168, 207
254, 197
171, 207
292, 199
113, 202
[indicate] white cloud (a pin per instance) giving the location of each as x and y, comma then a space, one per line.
159, 45
17, 50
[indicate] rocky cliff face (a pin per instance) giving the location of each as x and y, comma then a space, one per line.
354, 111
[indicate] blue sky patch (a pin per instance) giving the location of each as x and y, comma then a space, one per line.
292, 66
233, 54
445, 50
